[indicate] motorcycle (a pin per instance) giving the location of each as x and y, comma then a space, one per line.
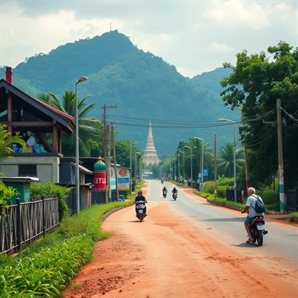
174, 196
164, 193
257, 230
140, 206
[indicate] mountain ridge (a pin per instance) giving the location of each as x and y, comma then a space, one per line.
142, 85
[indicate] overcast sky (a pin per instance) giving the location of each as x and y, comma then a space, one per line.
195, 36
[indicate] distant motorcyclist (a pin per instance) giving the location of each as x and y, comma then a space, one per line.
164, 191
139, 198
174, 193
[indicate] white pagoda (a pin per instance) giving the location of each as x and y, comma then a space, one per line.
150, 156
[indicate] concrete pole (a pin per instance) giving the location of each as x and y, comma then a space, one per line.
280, 159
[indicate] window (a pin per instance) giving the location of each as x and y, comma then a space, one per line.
28, 170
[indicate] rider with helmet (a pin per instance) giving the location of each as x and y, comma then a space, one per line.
164, 191
140, 197
174, 191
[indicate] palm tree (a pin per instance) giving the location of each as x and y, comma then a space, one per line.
89, 128
6, 140
225, 160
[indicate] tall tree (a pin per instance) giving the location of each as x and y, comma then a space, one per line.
256, 82
225, 160
89, 128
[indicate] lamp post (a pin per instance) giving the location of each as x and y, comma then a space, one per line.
81, 79
183, 164
178, 172
190, 162
215, 167
202, 158
136, 165
228, 120
130, 164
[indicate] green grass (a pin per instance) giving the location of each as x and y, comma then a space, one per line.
46, 267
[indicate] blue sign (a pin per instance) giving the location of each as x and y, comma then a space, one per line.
123, 180
205, 172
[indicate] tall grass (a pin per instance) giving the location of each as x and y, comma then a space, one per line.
47, 266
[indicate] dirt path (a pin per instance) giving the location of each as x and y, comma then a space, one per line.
165, 256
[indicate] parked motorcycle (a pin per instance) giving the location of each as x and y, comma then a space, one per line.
257, 230
174, 196
140, 206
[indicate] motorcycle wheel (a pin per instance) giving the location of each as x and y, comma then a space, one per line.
260, 238
141, 217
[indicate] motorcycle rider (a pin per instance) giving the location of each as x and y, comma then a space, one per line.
174, 191
164, 191
250, 202
140, 197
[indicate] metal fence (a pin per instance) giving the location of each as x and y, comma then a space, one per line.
23, 223
97, 197
292, 199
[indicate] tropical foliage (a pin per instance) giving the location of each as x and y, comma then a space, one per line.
6, 140
89, 128
255, 84
225, 160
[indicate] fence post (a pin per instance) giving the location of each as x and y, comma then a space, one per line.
43, 216
19, 240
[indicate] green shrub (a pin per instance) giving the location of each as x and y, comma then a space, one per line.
221, 192
209, 187
268, 195
50, 189
224, 181
6, 193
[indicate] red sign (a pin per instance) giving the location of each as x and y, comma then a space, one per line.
100, 180
122, 172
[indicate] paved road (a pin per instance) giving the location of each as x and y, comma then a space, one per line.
281, 241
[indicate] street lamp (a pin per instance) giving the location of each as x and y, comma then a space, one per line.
130, 164
215, 167
178, 172
81, 79
190, 162
183, 164
136, 153
202, 159
227, 120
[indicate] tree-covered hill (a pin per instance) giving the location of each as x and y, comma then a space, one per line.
143, 86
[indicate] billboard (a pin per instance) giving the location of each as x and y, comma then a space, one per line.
123, 177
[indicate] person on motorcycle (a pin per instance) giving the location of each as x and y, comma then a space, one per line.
140, 197
250, 202
174, 190
164, 190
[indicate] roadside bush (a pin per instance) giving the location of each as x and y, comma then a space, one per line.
224, 181
50, 189
6, 193
221, 191
269, 196
209, 187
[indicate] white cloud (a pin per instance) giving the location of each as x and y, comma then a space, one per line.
194, 36
234, 13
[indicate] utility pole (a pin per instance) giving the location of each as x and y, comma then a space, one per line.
244, 146
280, 159
106, 140
115, 162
